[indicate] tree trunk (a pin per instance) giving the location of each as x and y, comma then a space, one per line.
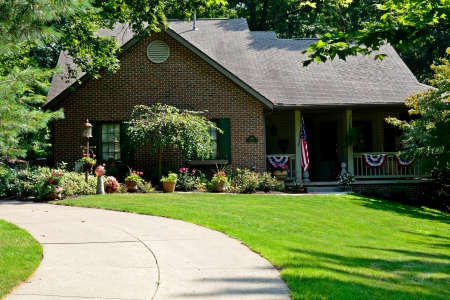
160, 164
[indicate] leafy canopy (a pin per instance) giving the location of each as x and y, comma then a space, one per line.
163, 126
428, 136
404, 24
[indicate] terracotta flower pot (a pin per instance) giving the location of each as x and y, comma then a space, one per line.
218, 187
280, 174
169, 186
110, 190
131, 186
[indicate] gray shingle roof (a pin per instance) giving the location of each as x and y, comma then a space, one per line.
273, 67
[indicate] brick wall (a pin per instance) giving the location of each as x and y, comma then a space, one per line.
416, 191
184, 81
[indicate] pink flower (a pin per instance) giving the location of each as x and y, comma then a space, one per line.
141, 173
51, 180
94, 156
193, 171
113, 164
215, 175
134, 171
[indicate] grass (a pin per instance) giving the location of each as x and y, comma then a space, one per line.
20, 255
326, 247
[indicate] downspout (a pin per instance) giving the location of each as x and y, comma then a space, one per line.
265, 140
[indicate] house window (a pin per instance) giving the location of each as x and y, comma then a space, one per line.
110, 137
214, 135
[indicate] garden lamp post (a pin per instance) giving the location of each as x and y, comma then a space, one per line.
87, 133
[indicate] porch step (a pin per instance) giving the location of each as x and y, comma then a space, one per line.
326, 190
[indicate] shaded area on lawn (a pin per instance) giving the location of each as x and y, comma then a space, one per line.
326, 246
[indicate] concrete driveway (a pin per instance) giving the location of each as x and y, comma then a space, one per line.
99, 254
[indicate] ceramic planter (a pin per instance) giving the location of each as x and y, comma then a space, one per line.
131, 186
169, 186
280, 174
218, 187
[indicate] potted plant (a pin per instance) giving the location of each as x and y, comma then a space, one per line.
111, 184
220, 179
354, 138
280, 171
88, 161
346, 179
169, 182
131, 181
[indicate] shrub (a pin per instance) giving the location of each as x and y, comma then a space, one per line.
440, 198
5, 180
399, 192
372, 192
268, 183
148, 187
74, 184
245, 182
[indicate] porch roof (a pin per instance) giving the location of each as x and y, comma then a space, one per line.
271, 68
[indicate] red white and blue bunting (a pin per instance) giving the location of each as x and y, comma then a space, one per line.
278, 161
374, 161
403, 163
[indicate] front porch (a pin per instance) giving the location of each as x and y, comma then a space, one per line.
325, 129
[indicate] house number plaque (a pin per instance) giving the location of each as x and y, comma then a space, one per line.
251, 139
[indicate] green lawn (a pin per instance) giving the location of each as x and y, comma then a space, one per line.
326, 247
20, 255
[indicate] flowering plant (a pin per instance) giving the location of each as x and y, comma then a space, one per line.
134, 176
186, 179
346, 178
280, 167
111, 183
55, 178
219, 177
88, 160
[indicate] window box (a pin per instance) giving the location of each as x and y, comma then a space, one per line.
208, 162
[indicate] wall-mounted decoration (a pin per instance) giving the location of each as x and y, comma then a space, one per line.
273, 130
251, 139
283, 144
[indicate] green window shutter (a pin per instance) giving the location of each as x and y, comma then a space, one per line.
95, 139
126, 149
225, 138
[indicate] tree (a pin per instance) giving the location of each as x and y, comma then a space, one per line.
164, 126
427, 136
404, 24
32, 32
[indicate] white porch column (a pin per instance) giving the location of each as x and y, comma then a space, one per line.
298, 151
347, 125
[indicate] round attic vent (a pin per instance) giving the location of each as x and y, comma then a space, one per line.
158, 52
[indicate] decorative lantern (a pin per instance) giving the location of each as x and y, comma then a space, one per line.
273, 130
87, 130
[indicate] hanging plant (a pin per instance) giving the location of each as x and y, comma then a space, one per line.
354, 138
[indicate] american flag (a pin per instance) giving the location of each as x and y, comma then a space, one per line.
305, 155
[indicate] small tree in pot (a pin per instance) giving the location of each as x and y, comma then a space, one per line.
169, 182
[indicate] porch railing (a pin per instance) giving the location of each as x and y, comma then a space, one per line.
389, 170
291, 174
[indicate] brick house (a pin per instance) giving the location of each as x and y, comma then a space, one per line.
253, 85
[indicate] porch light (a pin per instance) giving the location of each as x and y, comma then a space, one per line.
87, 130
273, 130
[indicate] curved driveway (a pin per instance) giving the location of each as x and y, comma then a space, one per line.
99, 254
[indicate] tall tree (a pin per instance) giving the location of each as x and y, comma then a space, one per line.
63, 25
